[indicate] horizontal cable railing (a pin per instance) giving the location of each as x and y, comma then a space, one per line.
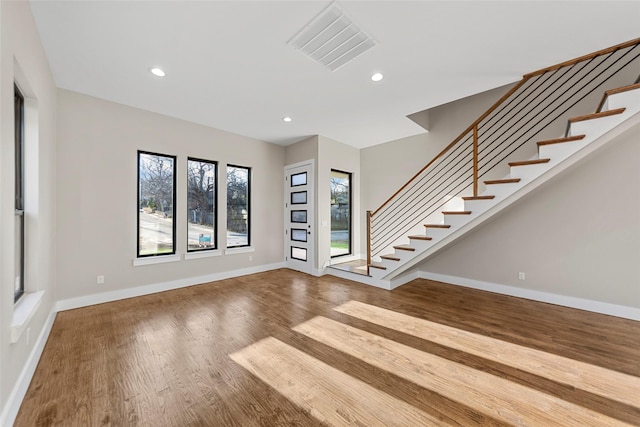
532, 109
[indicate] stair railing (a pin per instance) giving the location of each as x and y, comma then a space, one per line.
529, 108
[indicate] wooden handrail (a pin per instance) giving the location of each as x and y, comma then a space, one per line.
474, 130
584, 58
499, 102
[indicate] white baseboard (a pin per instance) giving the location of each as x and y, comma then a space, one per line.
403, 280
622, 311
119, 294
8, 416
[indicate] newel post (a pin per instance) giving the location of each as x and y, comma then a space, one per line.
369, 215
475, 160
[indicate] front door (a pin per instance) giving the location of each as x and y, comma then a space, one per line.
299, 218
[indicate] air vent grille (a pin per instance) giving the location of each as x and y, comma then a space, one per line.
332, 39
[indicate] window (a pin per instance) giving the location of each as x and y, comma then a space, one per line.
201, 205
156, 207
18, 289
340, 213
238, 206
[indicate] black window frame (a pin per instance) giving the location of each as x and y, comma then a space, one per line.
350, 222
249, 173
174, 203
214, 245
18, 98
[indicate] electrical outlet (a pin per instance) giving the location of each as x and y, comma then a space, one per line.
28, 337
521, 276
250, 257
100, 280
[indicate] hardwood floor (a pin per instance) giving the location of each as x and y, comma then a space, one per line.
284, 348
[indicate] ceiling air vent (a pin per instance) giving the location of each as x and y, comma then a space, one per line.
331, 39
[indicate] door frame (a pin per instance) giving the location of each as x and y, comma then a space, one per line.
311, 214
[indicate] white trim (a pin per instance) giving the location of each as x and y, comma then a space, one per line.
239, 250
202, 254
23, 311
160, 259
8, 416
359, 278
622, 311
343, 258
119, 294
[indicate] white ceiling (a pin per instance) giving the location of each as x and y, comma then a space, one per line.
229, 66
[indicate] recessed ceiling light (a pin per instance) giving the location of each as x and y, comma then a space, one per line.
159, 72
376, 77
287, 119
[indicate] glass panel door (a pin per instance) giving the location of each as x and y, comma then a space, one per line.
298, 221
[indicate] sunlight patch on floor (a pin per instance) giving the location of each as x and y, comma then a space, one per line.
491, 395
594, 379
328, 394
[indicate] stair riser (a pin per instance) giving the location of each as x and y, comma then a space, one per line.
456, 221
622, 99
478, 205
501, 190
596, 127
403, 255
437, 233
559, 152
420, 244
377, 273
529, 172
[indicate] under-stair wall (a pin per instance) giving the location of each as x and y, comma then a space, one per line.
576, 236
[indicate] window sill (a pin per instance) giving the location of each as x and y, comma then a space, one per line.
240, 250
156, 260
202, 254
23, 311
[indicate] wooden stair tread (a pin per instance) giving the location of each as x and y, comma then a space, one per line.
456, 212
597, 115
616, 90
437, 226
466, 198
377, 265
561, 140
404, 248
420, 237
529, 162
390, 257
503, 181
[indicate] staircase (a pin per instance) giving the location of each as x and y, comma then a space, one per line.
444, 201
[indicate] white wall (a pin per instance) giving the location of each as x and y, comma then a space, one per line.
97, 164
23, 60
578, 235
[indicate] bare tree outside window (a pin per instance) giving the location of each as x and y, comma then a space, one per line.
201, 204
156, 207
238, 206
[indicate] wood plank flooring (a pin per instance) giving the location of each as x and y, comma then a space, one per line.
284, 348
